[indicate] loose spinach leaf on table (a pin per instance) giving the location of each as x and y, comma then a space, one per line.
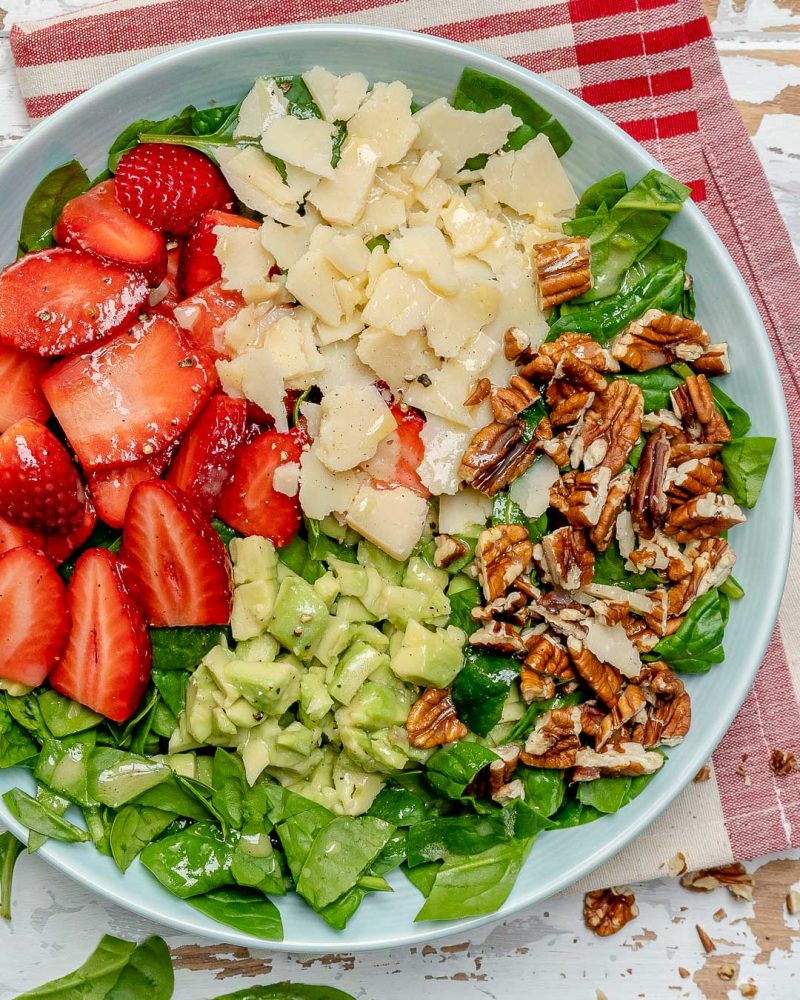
609, 569
697, 644
192, 862
287, 991
247, 910
451, 768
17, 746
36, 815
135, 827
10, 850
656, 386
481, 688
44, 206
746, 461
478, 91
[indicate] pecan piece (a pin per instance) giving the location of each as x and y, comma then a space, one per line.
554, 741
562, 269
782, 762
693, 402
618, 489
495, 456
623, 759
659, 338
509, 401
693, 477
546, 663
640, 633
496, 775
432, 720
706, 516
539, 368
604, 680
735, 878
649, 504
670, 713
582, 346
588, 496
713, 361
630, 702
659, 553
498, 637
566, 559
515, 343
448, 550
610, 428
579, 373
478, 392
682, 451
606, 911
502, 554
711, 562
567, 410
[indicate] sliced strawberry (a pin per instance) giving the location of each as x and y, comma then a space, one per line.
33, 616
398, 457
199, 264
169, 187
106, 663
131, 397
164, 297
20, 395
111, 488
249, 502
175, 564
12, 536
95, 221
61, 547
204, 460
39, 485
61, 301
204, 314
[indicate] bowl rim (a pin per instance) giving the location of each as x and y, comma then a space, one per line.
781, 472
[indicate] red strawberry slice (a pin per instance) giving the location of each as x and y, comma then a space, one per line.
204, 314
169, 187
398, 457
106, 663
249, 502
33, 616
205, 457
61, 547
61, 301
39, 485
164, 297
111, 488
12, 536
199, 264
175, 564
132, 397
20, 395
95, 221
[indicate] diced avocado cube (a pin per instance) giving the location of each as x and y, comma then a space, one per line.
420, 576
315, 701
253, 604
327, 586
356, 790
334, 640
371, 635
222, 728
263, 648
300, 616
352, 579
184, 764
243, 715
353, 669
211, 675
401, 604
269, 746
375, 706
353, 610
254, 558
204, 769
430, 658
372, 751
389, 569
330, 526
270, 688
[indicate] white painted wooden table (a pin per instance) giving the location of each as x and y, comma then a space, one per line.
547, 951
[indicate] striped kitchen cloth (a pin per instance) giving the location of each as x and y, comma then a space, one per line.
651, 66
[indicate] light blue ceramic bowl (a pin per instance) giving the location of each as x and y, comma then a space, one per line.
223, 70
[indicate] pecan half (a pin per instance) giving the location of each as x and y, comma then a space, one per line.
501, 555
478, 392
606, 911
495, 456
579, 373
659, 553
706, 516
659, 338
566, 559
711, 562
562, 270
682, 451
649, 504
610, 428
507, 402
448, 550
735, 878
588, 496
630, 702
582, 346
693, 402
604, 680
566, 410
554, 741
539, 368
618, 489
432, 720
497, 637
546, 663
693, 477
713, 361
669, 716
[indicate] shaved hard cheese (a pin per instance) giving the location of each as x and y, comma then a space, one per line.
383, 213
479, 354
255, 375
445, 444
313, 414
344, 331
391, 519
464, 510
245, 263
424, 251
348, 254
530, 180
290, 341
257, 184
312, 281
353, 423
246, 328
460, 135
287, 244
385, 120
453, 322
396, 360
321, 491
518, 304
532, 490
342, 367
470, 229
305, 142
264, 103
342, 197
426, 169
337, 97
286, 479
610, 644
445, 394
399, 302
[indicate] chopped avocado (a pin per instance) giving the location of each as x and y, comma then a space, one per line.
389, 569
253, 604
184, 764
254, 558
327, 587
356, 790
419, 575
353, 610
263, 648
352, 579
300, 616
315, 701
268, 745
334, 641
353, 669
270, 688
372, 751
375, 706
400, 604
430, 658
242, 715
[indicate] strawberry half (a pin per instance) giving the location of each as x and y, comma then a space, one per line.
106, 663
39, 485
13, 536
204, 314
169, 187
60, 301
132, 397
175, 564
21, 395
33, 616
60, 547
111, 488
95, 221
249, 502
205, 457
398, 457
199, 264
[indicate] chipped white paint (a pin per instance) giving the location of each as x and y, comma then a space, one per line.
547, 951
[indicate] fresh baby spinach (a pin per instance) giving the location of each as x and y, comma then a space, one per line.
746, 462
10, 849
451, 768
697, 644
481, 688
44, 206
35, 815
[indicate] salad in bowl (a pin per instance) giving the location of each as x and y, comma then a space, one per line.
365, 491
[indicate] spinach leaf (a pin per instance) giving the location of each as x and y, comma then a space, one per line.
216, 121
481, 688
36, 815
477, 885
295, 556
56, 804
256, 863
10, 849
697, 644
440, 839
148, 973
245, 909
507, 511
609, 568
63, 717
116, 776
746, 461
46, 203
225, 532
602, 195
606, 795
574, 813
536, 709
230, 787
171, 685
377, 241
16, 745
287, 991
173, 796
478, 91
135, 827
192, 862
180, 124
732, 588
545, 788
531, 417
451, 768
422, 877
183, 648
656, 386
689, 305
322, 547
299, 829
298, 97
461, 604
25, 710
62, 767
398, 807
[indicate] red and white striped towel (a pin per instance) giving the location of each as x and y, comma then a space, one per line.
651, 66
